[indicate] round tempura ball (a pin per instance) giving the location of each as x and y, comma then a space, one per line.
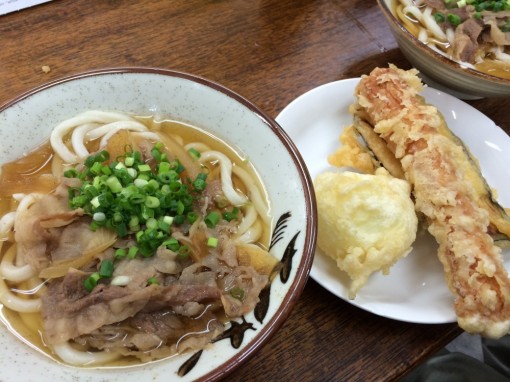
367, 222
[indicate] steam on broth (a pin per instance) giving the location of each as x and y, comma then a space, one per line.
475, 33
127, 240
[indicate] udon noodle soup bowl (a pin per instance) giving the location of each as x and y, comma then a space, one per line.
27, 121
440, 71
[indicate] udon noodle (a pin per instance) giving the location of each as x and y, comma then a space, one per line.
102, 264
471, 32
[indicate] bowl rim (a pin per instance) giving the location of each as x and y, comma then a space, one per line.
310, 234
431, 52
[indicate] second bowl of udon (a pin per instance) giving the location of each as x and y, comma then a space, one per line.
461, 49
153, 225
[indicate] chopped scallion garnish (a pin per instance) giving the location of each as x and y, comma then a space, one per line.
212, 242
106, 268
90, 282
237, 293
212, 219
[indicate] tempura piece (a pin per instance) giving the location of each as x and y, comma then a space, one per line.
435, 166
352, 153
366, 222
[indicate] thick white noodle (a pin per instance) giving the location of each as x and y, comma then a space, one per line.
251, 235
13, 302
235, 198
201, 147
423, 35
253, 193
18, 196
26, 202
148, 135
110, 129
249, 218
78, 139
7, 223
413, 10
8, 270
11, 272
80, 358
450, 35
431, 24
93, 116
57, 166
500, 55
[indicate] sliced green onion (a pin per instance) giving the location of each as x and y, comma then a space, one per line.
96, 168
152, 202
102, 156
191, 217
194, 153
212, 242
132, 172
212, 219
71, 173
90, 282
152, 223
95, 202
120, 253
120, 166
132, 252
144, 168
172, 244
140, 183
129, 196
199, 183
152, 280
237, 293
453, 19
106, 268
183, 252
121, 229
439, 17
232, 215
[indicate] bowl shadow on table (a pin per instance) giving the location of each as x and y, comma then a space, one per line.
383, 59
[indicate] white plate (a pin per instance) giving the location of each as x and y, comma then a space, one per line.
415, 290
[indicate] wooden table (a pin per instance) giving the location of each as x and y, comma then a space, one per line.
270, 51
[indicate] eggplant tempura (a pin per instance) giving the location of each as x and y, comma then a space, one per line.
449, 192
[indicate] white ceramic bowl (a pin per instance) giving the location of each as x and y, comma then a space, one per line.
27, 121
438, 70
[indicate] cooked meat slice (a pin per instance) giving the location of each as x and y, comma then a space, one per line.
69, 311
466, 40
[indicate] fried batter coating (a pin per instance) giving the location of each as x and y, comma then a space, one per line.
432, 163
366, 222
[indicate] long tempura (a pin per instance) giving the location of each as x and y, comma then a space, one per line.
434, 165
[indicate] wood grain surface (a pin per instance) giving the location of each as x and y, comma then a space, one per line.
269, 51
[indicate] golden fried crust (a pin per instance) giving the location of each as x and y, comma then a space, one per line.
412, 130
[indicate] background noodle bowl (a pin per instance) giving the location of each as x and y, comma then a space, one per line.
422, 21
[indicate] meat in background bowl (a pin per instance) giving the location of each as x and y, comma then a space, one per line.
440, 71
27, 121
